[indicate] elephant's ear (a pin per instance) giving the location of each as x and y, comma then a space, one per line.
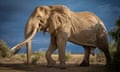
60, 9
60, 15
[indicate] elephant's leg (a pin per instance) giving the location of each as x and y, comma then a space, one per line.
50, 50
103, 45
28, 50
85, 61
104, 48
61, 44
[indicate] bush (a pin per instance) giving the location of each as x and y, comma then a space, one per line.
112, 48
36, 56
68, 55
116, 57
3, 49
115, 34
35, 59
23, 56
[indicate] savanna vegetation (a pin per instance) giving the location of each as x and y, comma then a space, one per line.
3, 49
115, 47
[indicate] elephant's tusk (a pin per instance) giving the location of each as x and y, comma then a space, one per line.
17, 47
39, 29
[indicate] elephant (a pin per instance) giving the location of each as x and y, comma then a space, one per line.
82, 28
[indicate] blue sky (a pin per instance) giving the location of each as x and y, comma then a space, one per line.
15, 13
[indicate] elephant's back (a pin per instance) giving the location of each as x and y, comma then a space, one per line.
85, 27
91, 19
87, 16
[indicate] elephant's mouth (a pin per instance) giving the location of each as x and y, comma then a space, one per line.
42, 27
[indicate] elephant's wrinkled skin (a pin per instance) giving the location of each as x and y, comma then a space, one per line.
82, 28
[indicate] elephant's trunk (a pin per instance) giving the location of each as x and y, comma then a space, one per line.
17, 47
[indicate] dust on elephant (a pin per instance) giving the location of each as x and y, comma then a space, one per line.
82, 28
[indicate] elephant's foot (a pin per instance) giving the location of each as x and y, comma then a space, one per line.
62, 66
109, 63
84, 63
51, 63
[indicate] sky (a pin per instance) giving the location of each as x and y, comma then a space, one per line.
15, 13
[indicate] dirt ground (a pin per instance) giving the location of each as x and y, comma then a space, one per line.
44, 68
16, 64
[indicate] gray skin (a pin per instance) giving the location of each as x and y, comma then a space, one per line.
82, 28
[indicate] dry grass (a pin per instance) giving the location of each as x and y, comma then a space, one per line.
16, 64
74, 59
77, 59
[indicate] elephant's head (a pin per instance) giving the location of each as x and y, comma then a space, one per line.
39, 18
43, 18
47, 18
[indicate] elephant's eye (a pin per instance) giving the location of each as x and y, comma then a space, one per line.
39, 16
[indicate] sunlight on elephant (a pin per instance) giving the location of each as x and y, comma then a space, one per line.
82, 28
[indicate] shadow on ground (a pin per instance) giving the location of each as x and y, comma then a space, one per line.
44, 68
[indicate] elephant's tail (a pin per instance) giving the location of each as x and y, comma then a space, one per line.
17, 47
